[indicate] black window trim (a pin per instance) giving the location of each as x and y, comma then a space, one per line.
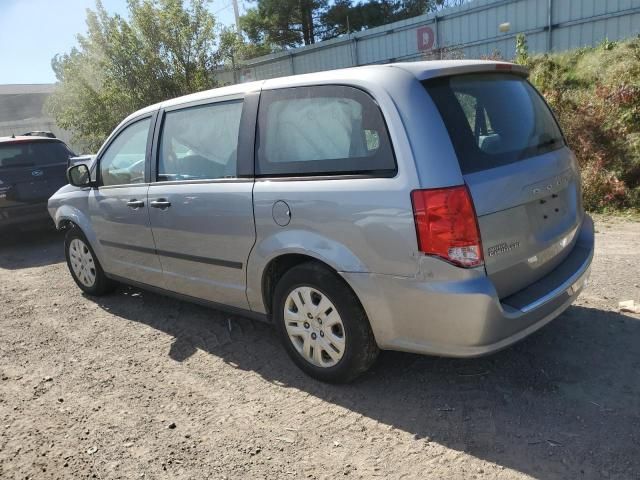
324, 177
341, 175
246, 138
150, 115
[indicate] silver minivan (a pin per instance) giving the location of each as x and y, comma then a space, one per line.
428, 207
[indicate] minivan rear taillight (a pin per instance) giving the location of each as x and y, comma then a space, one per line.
447, 226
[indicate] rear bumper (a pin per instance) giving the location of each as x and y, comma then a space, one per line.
36, 213
465, 317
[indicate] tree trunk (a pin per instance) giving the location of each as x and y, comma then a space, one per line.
312, 36
306, 20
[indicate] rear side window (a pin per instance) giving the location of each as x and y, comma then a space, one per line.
494, 119
200, 143
323, 130
33, 154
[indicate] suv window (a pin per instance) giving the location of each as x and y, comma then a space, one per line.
124, 160
200, 143
323, 130
494, 119
33, 154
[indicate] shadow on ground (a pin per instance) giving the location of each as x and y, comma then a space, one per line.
565, 400
30, 248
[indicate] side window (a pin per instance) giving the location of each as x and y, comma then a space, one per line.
123, 161
323, 130
200, 143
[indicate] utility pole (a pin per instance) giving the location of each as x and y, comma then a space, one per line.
549, 26
236, 13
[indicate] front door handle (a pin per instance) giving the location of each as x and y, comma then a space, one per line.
135, 204
161, 203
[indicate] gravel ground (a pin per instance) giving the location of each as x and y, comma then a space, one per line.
135, 385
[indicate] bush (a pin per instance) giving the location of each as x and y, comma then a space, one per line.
595, 93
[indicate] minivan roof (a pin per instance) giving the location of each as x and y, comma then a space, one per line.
422, 70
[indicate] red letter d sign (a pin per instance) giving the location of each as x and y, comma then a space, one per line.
426, 38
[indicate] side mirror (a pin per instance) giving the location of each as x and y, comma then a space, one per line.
79, 176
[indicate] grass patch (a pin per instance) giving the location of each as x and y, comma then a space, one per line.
595, 93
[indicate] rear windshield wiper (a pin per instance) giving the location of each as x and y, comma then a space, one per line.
547, 143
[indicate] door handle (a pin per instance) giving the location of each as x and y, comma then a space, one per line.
161, 203
135, 204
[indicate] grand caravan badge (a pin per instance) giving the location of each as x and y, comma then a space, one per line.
503, 247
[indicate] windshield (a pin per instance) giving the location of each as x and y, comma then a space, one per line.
494, 119
33, 154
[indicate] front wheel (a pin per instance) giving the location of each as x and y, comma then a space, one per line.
322, 324
84, 266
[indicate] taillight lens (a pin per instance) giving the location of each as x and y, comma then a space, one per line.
447, 226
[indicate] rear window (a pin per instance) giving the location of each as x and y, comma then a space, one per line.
33, 154
322, 130
494, 119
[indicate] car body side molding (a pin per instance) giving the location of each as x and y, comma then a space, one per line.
163, 253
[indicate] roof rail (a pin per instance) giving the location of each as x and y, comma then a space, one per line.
39, 133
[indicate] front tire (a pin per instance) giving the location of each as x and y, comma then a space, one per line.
322, 324
84, 265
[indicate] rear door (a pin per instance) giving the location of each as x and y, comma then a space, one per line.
31, 171
201, 204
523, 179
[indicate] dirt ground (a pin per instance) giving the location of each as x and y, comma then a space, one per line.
135, 385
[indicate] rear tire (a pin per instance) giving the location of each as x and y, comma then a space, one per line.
322, 324
84, 265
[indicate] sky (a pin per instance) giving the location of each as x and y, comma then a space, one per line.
33, 31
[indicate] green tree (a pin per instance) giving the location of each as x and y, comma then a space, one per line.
234, 49
345, 16
283, 23
164, 50
290, 23
450, 3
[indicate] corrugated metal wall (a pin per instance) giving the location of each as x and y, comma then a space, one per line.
470, 31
